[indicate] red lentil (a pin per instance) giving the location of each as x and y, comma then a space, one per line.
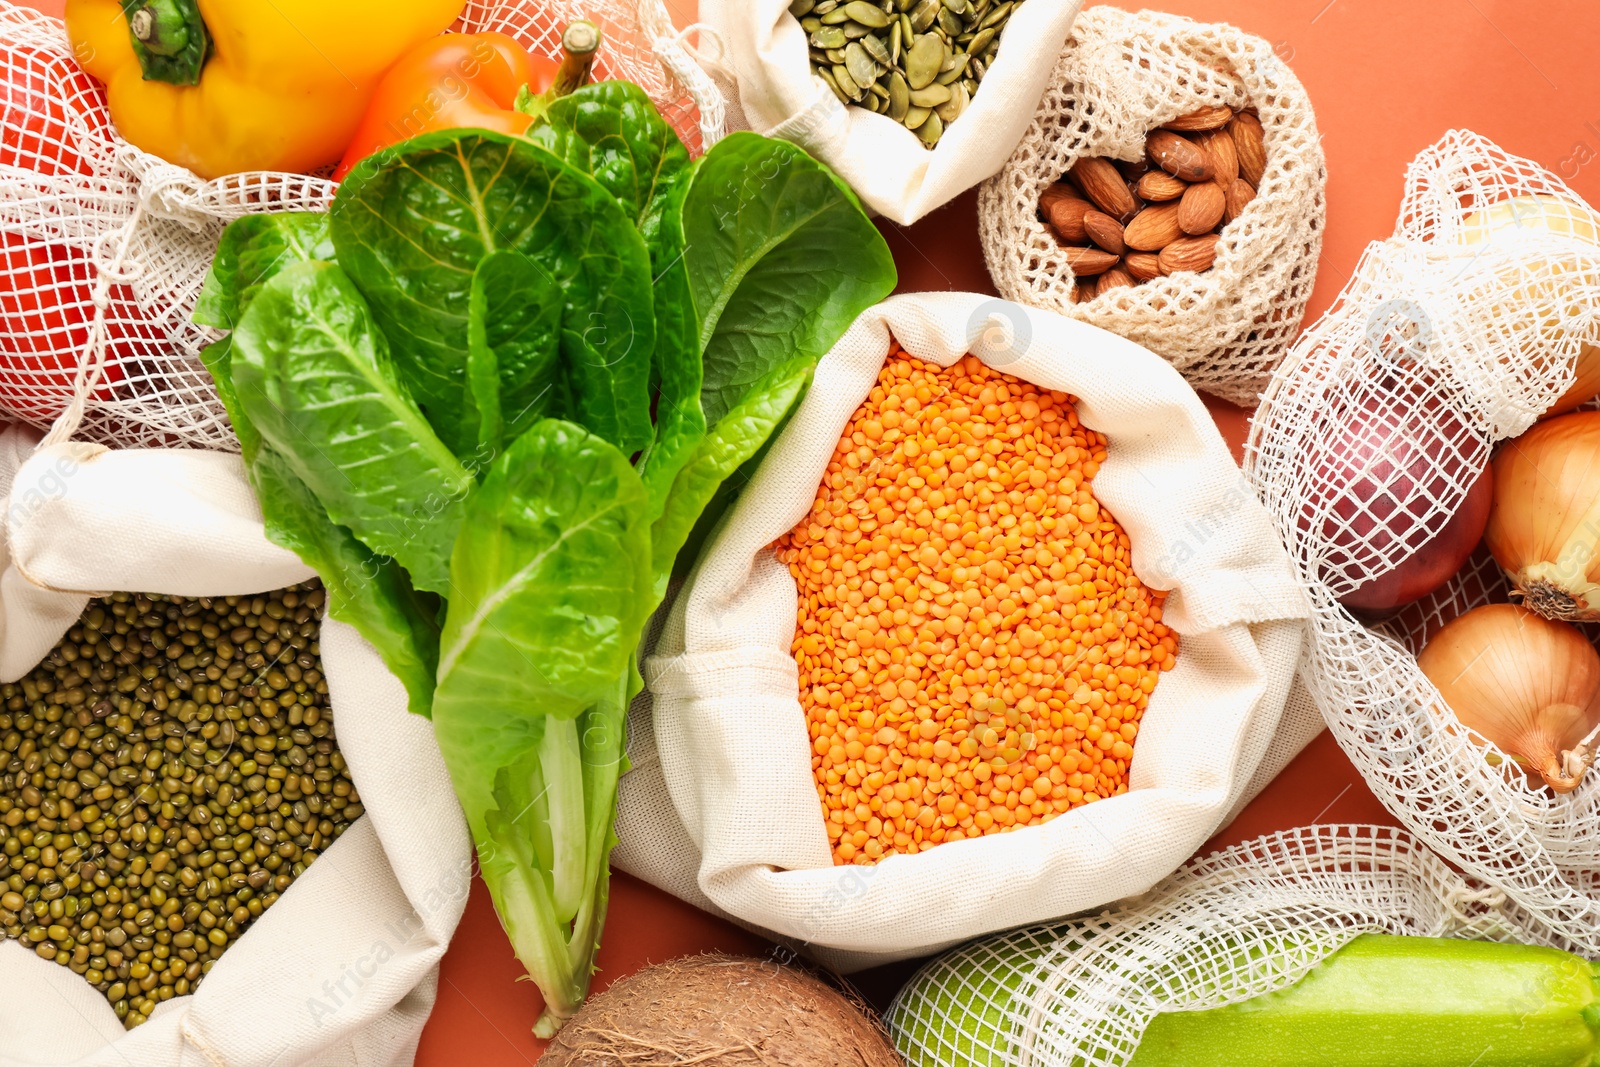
975, 651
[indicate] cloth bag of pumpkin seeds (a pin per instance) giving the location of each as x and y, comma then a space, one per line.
342, 969
722, 807
966, 73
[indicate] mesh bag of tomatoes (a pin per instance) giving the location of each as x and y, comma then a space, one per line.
104, 247
1429, 452
995, 633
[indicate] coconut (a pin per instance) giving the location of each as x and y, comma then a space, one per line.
721, 1011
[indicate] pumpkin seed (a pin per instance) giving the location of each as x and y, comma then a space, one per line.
866, 14
952, 108
917, 61
827, 76
980, 42
829, 37
994, 17
846, 83
952, 68
875, 48
924, 60
860, 65
899, 96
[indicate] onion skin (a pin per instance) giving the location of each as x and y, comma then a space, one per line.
1547, 214
1383, 458
1528, 685
1544, 527
1434, 563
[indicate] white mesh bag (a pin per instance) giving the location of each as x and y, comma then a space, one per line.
103, 247
343, 968
759, 52
1237, 924
1121, 76
1446, 325
721, 807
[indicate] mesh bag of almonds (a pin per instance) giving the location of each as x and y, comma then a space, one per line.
910, 101
195, 865
1169, 189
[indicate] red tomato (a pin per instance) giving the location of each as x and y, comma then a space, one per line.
49, 107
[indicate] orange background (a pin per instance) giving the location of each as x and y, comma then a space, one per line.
1387, 78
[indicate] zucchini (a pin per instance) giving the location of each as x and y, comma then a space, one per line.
1380, 1001
1401, 1002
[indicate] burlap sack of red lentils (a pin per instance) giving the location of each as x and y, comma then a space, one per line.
721, 807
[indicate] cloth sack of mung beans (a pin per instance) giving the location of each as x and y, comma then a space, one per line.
781, 81
342, 969
1121, 76
723, 807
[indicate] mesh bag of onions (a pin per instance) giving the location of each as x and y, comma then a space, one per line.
104, 247
1121, 77
1401, 429
1237, 924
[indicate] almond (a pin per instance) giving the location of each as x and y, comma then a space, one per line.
1104, 231
1054, 192
1211, 117
1132, 169
1177, 155
1115, 278
1238, 194
1083, 292
1087, 261
1190, 253
1252, 146
1221, 154
1066, 218
1143, 266
1102, 182
1159, 185
1201, 208
1154, 228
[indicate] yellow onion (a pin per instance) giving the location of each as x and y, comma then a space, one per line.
1529, 686
1549, 214
1544, 523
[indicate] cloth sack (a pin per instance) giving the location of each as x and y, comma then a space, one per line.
1237, 924
343, 968
1122, 75
721, 807
104, 247
764, 70
1462, 328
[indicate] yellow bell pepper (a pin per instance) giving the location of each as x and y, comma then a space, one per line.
222, 86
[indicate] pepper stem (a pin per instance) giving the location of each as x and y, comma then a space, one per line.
169, 38
580, 44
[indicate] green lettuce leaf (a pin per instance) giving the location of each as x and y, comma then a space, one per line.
365, 590
412, 232
781, 259
514, 373
313, 375
252, 250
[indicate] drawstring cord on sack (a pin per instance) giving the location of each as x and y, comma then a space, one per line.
113, 270
689, 66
